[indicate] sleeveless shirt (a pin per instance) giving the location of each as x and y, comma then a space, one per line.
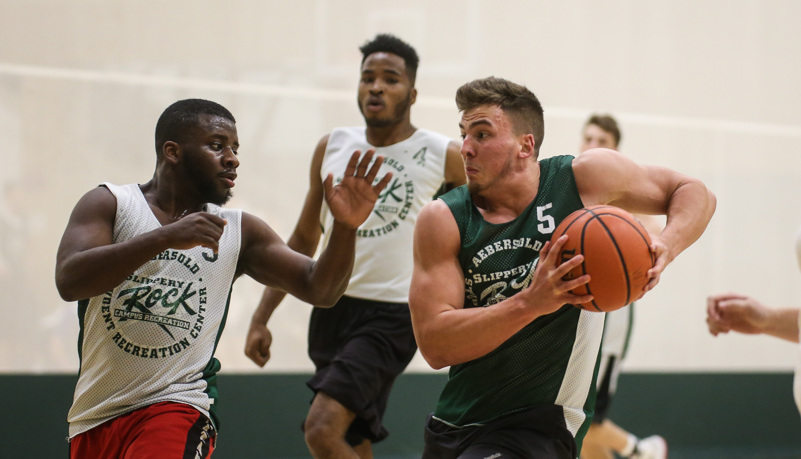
553, 359
152, 338
383, 264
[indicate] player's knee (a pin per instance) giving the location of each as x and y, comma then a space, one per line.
317, 433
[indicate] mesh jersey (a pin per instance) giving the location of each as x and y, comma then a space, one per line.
383, 264
552, 360
152, 338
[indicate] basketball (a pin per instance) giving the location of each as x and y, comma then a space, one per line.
617, 255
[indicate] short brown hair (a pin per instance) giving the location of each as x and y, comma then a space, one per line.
517, 101
607, 123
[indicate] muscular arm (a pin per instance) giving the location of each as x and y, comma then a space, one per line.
283, 269
304, 239
306, 235
88, 263
270, 261
608, 177
447, 333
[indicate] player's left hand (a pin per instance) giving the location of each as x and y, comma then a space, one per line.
352, 200
662, 258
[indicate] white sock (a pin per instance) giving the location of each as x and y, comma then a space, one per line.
631, 445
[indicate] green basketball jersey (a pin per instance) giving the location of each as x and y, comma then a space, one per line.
553, 359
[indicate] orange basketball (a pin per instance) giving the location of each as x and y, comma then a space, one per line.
617, 255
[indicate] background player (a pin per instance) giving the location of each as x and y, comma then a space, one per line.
604, 436
360, 346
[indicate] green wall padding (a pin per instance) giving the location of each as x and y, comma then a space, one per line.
703, 416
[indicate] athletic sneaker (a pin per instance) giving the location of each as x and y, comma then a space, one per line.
653, 447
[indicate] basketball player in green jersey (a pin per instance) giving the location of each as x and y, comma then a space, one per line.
488, 296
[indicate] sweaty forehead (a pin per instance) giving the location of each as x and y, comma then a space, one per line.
214, 122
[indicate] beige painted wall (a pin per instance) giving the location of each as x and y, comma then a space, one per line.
708, 87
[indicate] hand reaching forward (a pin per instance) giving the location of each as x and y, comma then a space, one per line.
352, 200
740, 313
734, 312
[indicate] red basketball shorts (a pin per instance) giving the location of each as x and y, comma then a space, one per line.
162, 431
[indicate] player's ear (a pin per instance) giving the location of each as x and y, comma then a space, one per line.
413, 95
171, 151
526, 145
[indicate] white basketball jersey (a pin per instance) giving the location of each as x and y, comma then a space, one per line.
383, 265
152, 338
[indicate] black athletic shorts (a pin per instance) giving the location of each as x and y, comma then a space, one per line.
358, 348
523, 435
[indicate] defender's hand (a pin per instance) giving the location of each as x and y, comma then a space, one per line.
352, 200
734, 312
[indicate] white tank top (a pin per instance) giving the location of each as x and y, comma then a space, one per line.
152, 338
383, 265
